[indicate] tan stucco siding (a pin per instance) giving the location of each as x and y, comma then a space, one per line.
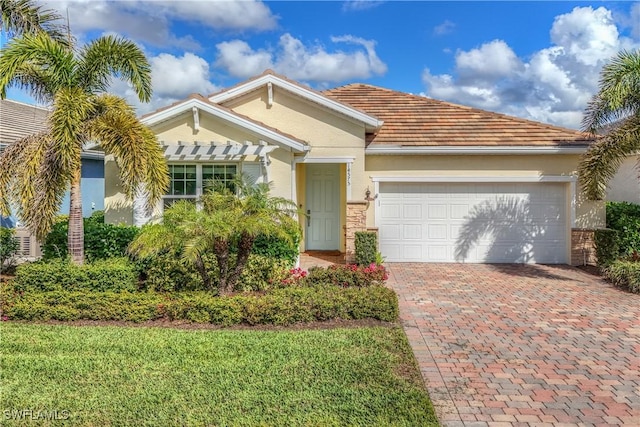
307, 121
625, 185
181, 128
117, 209
588, 214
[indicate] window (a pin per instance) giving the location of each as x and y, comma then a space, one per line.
189, 181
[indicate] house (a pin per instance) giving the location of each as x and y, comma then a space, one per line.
439, 182
625, 185
19, 120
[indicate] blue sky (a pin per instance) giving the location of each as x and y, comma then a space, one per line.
538, 60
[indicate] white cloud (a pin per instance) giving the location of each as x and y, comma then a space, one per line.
492, 60
357, 5
551, 85
173, 78
300, 62
150, 21
446, 27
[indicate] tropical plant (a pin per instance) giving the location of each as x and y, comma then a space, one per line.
614, 112
27, 17
8, 247
223, 223
36, 171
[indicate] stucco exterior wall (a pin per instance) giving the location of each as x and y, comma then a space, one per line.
588, 214
625, 185
329, 134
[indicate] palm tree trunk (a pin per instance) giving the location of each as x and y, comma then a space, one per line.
75, 236
244, 250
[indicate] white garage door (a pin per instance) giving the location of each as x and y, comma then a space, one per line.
473, 222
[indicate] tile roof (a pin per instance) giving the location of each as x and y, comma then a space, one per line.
411, 120
18, 120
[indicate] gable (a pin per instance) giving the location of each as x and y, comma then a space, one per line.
273, 82
177, 123
297, 116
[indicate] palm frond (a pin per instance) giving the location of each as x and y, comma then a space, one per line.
72, 107
17, 165
134, 146
619, 94
41, 51
601, 162
111, 56
51, 182
27, 17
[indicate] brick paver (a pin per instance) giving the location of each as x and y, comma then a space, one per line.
502, 345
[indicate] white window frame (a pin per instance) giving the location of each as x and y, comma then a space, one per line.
199, 179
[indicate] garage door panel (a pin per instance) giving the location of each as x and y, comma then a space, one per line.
412, 211
437, 232
437, 211
474, 222
412, 232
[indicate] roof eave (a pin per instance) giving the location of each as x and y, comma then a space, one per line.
473, 150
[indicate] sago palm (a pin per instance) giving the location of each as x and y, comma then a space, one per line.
613, 113
36, 171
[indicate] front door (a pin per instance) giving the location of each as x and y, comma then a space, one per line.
323, 207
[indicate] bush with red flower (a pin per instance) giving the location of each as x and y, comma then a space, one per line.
346, 276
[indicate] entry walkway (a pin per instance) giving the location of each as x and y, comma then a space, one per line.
502, 345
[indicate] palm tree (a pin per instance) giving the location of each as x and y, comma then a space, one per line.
614, 112
224, 224
36, 171
26, 17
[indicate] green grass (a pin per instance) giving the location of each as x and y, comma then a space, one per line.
119, 376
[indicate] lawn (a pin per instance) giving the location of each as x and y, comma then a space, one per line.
138, 376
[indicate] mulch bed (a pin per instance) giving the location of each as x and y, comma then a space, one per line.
591, 269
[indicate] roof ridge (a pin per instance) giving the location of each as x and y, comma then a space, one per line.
26, 104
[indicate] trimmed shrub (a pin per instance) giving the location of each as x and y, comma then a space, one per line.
279, 307
262, 273
170, 272
117, 274
624, 274
625, 218
8, 247
366, 243
346, 276
101, 241
607, 249
280, 249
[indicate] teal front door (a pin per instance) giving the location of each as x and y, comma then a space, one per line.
323, 207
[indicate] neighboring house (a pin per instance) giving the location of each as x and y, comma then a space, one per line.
19, 120
625, 185
440, 182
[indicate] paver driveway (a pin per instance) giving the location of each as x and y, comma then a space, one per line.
506, 345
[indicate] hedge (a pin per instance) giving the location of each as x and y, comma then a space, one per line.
606, 243
625, 218
278, 307
101, 241
116, 274
366, 243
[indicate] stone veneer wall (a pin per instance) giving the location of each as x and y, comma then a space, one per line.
356, 221
583, 250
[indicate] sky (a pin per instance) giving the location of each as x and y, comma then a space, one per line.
536, 60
